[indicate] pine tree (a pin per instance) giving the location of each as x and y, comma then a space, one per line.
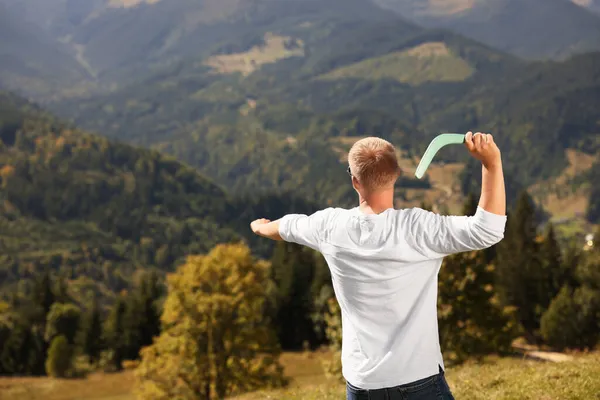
574, 256
43, 295
215, 340
142, 317
114, 332
23, 349
552, 267
519, 275
321, 291
293, 269
150, 292
133, 323
472, 322
91, 333
593, 211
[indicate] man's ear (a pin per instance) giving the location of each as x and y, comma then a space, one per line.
355, 183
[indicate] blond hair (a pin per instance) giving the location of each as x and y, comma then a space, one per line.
373, 162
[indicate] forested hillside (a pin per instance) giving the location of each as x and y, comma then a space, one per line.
256, 95
260, 130
247, 109
95, 211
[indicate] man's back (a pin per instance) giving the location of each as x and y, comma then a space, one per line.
384, 270
384, 266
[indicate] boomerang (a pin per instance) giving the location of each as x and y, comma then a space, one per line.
436, 144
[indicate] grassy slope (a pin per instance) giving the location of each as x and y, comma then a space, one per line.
428, 62
275, 48
496, 379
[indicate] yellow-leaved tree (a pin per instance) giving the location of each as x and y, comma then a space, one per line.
215, 340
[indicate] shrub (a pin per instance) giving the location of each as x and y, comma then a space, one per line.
59, 358
573, 319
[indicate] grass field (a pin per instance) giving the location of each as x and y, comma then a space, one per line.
275, 48
429, 62
494, 379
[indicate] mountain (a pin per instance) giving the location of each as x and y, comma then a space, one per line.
56, 17
117, 39
32, 62
237, 114
95, 211
593, 5
284, 126
265, 96
534, 29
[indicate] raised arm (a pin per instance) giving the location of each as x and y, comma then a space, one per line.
435, 236
493, 194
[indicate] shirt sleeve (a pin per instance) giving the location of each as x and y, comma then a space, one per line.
436, 236
303, 229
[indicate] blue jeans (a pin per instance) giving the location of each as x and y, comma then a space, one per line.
433, 388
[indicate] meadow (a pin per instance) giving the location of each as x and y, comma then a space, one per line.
510, 378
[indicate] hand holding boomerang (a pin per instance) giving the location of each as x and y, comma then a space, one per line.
481, 146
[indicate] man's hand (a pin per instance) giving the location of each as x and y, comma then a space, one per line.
255, 225
482, 147
266, 228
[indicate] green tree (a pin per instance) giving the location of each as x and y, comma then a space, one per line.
573, 319
593, 211
132, 323
59, 359
42, 295
216, 340
150, 292
552, 267
23, 350
63, 320
91, 333
293, 272
114, 332
142, 315
321, 292
472, 322
520, 279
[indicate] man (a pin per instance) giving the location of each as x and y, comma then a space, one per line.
384, 265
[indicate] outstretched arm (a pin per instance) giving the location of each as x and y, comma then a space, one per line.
296, 228
265, 228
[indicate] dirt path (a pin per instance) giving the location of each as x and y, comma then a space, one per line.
548, 356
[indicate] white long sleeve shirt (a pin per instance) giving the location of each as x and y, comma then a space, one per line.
384, 269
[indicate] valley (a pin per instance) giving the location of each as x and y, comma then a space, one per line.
139, 138
265, 78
